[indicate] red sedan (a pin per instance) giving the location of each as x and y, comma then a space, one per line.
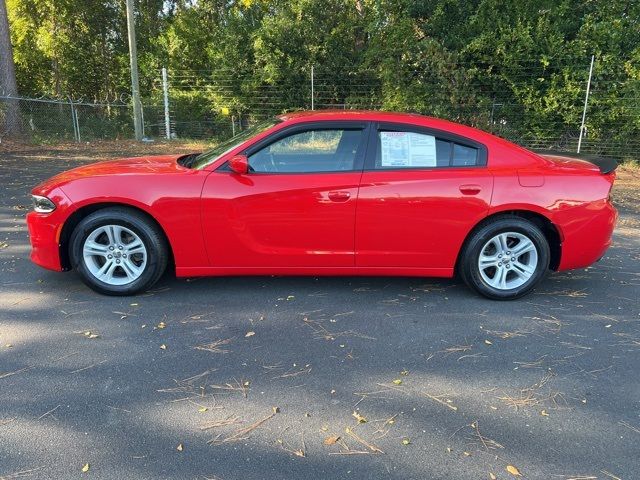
330, 193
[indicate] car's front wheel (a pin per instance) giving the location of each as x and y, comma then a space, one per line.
118, 251
505, 259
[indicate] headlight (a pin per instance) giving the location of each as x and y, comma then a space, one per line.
42, 204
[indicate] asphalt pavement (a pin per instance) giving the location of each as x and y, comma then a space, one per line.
315, 378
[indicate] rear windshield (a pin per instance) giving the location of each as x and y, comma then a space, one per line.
219, 150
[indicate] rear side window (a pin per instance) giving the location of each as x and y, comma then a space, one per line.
463, 155
398, 149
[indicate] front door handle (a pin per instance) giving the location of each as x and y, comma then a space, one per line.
470, 189
339, 196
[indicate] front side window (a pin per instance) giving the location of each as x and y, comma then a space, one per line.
399, 149
331, 150
207, 158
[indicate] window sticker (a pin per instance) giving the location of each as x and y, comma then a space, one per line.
407, 149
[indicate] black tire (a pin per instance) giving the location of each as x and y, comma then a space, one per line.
147, 231
468, 265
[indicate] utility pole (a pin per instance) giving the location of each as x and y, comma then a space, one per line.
586, 102
135, 85
165, 91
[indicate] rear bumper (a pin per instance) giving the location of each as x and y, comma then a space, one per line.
586, 232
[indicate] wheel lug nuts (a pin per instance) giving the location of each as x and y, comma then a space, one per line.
500, 256
109, 256
111, 247
499, 264
124, 255
508, 253
117, 261
513, 259
508, 266
120, 247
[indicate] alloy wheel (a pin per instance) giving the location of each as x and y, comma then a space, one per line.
508, 260
114, 254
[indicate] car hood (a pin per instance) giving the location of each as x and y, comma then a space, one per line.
154, 165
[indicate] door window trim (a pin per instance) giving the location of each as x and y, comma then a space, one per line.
374, 145
358, 162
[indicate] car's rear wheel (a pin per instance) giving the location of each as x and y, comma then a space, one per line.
118, 251
505, 258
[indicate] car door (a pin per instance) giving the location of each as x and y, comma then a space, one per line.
296, 206
421, 193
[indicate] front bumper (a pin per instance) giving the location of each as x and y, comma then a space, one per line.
44, 235
45, 230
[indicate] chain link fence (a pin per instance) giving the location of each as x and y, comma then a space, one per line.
535, 104
50, 120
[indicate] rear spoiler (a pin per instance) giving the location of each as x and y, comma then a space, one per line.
605, 164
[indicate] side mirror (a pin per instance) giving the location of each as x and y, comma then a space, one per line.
239, 164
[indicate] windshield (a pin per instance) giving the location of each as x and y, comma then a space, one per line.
219, 150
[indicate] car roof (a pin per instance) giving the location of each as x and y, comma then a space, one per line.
330, 114
489, 140
381, 116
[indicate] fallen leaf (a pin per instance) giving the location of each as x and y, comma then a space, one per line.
276, 409
488, 342
359, 417
250, 334
406, 441
544, 413
8, 345
513, 471
162, 325
246, 383
397, 381
290, 297
179, 447
466, 454
404, 372
332, 392
85, 468
299, 453
163, 346
492, 476
203, 409
93, 335
331, 440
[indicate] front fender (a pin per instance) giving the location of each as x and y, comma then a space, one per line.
173, 201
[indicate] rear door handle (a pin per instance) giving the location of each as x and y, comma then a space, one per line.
339, 196
470, 189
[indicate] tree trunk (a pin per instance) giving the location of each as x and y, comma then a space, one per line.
10, 121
